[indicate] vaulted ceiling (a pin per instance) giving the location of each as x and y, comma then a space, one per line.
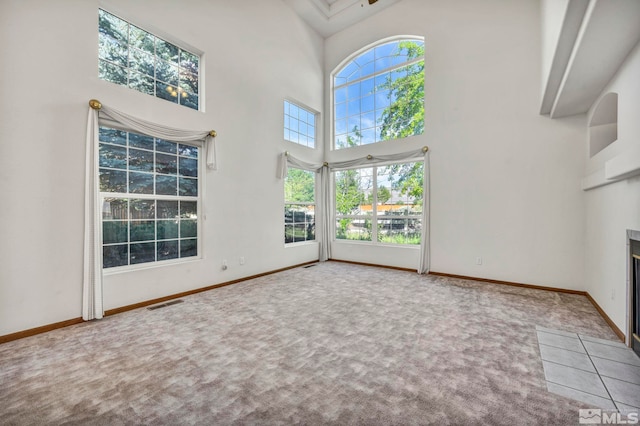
328, 17
595, 39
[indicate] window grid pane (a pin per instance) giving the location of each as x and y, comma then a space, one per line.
379, 95
132, 57
299, 208
299, 125
160, 224
380, 205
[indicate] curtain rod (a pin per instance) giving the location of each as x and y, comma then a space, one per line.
96, 104
369, 157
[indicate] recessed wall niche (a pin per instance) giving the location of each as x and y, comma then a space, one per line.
603, 127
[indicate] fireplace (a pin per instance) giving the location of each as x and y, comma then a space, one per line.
634, 290
635, 307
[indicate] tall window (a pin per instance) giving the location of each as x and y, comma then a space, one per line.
133, 57
299, 206
380, 204
299, 125
150, 198
379, 95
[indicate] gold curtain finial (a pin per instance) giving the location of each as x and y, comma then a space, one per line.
325, 164
213, 133
286, 153
369, 157
425, 148
95, 104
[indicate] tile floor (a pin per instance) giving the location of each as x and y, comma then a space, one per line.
602, 373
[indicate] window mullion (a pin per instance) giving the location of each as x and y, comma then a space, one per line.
129, 73
152, 242
383, 71
374, 206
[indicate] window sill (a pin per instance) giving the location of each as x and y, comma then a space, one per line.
372, 244
144, 266
300, 243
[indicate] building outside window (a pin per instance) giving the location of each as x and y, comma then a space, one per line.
380, 204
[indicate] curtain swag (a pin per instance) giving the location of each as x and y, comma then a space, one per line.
324, 200
92, 303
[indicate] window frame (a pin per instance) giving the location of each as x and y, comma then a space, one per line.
164, 37
374, 216
344, 63
316, 117
314, 203
199, 199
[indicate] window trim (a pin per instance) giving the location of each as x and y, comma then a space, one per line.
302, 203
342, 64
165, 36
199, 199
374, 209
316, 117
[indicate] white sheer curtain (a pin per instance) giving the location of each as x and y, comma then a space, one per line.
200, 138
324, 201
425, 239
92, 304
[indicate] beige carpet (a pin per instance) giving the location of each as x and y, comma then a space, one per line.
331, 344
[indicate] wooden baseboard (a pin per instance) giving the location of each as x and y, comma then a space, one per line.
609, 321
513, 284
38, 330
198, 290
397, 268
50, 327
602, 313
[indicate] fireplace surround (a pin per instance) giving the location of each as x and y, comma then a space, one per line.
633, 290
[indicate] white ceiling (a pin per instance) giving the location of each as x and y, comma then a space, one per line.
328, 17
595, 40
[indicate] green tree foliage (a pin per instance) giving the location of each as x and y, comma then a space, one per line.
407, 178
299, 186
405, 115
348, 193
384, 194
348, 189
133, 57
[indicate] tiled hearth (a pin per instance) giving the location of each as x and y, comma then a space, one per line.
601, 373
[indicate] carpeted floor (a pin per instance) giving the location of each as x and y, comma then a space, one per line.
332, 344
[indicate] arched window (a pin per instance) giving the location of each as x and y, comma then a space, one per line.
379, 94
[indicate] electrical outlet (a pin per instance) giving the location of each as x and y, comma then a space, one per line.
242, 260
478, 261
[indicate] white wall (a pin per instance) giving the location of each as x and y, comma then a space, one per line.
612, 209
256, 54
505, 181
